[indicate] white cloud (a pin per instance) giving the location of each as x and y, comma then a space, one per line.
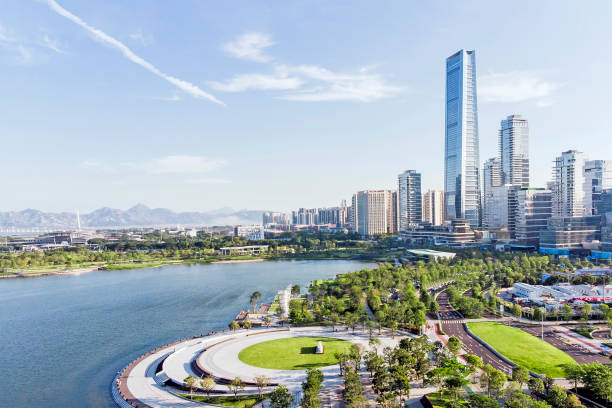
129, 54
173, 164
306, 83
362, 87
207, 181
18, 52
516, 86
173, 98
52, 44
179, 164
141, 39
250, 46
244, 82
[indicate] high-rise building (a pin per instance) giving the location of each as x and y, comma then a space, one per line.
514, 151
410, 199
569, 187
495, 214
433, 207
275, 218
461, 151
563, 234
492, 178
598, 177
392, 212
529, 212
373, 212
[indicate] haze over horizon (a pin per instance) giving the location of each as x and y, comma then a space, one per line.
278, 106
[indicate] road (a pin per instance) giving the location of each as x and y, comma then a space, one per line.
452, 324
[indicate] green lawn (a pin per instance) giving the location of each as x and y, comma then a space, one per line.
523, 348
294, 353
242, 401
438, 400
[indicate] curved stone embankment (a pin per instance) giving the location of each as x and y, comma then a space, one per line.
152, 380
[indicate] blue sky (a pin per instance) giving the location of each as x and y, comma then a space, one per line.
197, 105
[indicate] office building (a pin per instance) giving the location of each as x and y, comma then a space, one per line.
492, 179
250, 232
455, 233
604, 203
275, 218
564, 234
598, 177
529, 212
373, 212
569, 187
393, 212
461, 150
433, 207
410, 199
495, 214
514, 151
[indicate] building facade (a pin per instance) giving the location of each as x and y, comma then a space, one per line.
374, 212
569, 187
461, 150
492, 178
410, 199
529, 212
250, 232
598, 177
433, 207
563, 234
514, 151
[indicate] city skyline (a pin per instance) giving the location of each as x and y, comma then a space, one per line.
129, 113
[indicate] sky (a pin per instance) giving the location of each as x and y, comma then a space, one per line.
198, 105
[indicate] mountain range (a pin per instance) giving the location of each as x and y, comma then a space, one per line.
138, 216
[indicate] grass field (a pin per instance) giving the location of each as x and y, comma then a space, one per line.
522, 348
294, 353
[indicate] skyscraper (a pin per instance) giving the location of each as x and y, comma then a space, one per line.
598, 177
514, 151
461, 150
492, 178
528, 214
569, 186
433, 207
410, 199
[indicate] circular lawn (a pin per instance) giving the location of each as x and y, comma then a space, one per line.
293, 353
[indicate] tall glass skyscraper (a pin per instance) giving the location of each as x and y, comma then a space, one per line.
461, 151
514, 150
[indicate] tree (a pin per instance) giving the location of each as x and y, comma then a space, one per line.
492, 379
538, 314
557, 397
235, 386
246, 323
454, 345
567, 312
295, 290
207, 385
234, 325
574, 372
253, 299
267, 321
482, 401
597, 379
473, 363
586, 310
536, 385
520, 375
190, 382
454, 384
281, 397
516, 311
401, 382
573, 401
262, 382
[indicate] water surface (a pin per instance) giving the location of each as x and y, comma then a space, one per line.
63, 338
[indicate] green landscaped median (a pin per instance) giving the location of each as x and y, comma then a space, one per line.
522, 348
294, 353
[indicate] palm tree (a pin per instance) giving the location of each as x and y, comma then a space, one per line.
190, 382
267, 321
262, 382
254, 298
234, 325
247, 324
207, 385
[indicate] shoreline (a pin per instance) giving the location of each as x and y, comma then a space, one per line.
51, 273
238, 261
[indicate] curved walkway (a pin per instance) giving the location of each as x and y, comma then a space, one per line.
140, 385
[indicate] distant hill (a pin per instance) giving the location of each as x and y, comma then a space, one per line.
138, 216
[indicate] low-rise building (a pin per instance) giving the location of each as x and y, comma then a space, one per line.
455, 233
250, 232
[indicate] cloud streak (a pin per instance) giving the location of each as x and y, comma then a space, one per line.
100, 35
305, 83
517, 86
172, 164
250, 46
